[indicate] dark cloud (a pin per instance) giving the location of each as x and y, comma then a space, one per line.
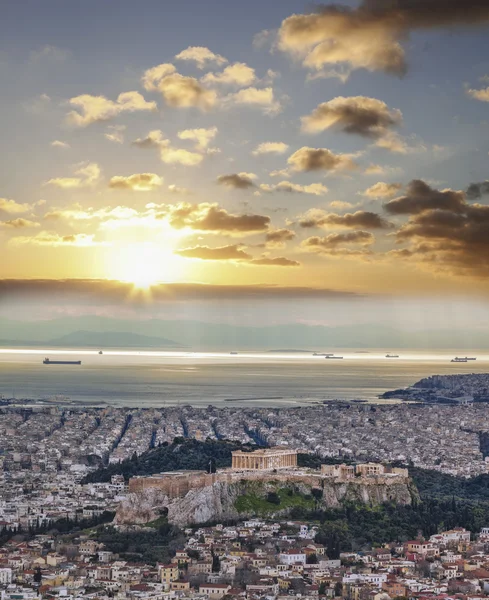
420, 197
320, 159
361, 218
277, 237
210, 217
477, 190
238, 181
233, 252
370, 36
102, 292
453, 238
359, 115
336, 239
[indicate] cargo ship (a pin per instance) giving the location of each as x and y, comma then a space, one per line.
332, 357
459, 360
392, 355
322, 354
46, 361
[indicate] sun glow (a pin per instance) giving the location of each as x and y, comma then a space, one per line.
143, 264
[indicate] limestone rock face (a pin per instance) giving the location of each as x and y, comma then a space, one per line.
223, 501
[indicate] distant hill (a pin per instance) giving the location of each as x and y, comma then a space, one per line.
112, 339
202, 335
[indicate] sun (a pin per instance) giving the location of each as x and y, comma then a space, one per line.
143, 264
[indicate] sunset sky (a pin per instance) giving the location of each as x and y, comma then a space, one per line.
264, 143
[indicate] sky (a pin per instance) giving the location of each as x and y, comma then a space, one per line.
283, 151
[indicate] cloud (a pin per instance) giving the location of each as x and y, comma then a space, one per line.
394, 142
270, 148
93, 109
87, 175
370, 35
51, 53
360, 218
340, 204
154, 139
201, 136
104, 291
186, 92
233, 252
477, 190
482, 95
238, 181
60, 144
238, 74
177, 189
262, 38
168, 153
46, 238
276, 238
115, 133
382, 190
280, 173
37, 105
421, 197
279, 261
211, 217
447, 235
141, 182
153, 76
12, 207
201, 55
358, 115
253, 97
375, 170
334, 240
19, 223
320, 159
315, 189
178, 156
77, 213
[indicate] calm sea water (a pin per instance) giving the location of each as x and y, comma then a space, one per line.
144, 379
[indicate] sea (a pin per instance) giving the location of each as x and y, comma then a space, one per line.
143, 379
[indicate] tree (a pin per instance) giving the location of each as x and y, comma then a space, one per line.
216, 563
273, 498
38, 575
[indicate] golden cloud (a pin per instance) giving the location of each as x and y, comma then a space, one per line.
153, 76
19, 223
12, 207
270, 148
201, 136
263, 98
382, 190
93, 109
46, 238
315, 189
238, 74
142, 182
201, 55
88, 174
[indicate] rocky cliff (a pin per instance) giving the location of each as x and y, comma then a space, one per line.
245, 498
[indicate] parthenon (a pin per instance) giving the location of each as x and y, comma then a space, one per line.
265, 459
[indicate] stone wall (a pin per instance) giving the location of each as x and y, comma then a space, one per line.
179, 484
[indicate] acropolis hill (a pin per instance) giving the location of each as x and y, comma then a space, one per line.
197, 496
